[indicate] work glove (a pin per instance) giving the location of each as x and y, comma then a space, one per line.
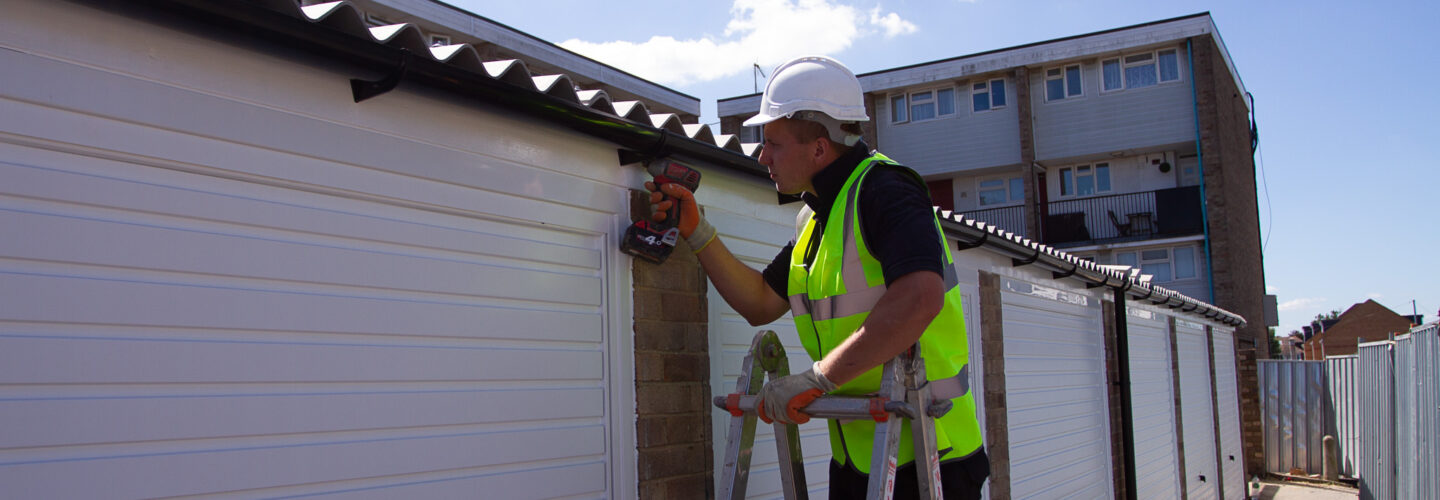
698, 232
781, 399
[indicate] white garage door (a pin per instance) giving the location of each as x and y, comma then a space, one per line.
755, 229
1152, 397
1055, 384
1227, 400
187, 307
1197, 418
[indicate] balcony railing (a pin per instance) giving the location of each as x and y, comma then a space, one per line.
1104, 219
1122, 217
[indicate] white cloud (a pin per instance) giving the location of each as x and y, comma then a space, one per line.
1302, 303
1374, 295
891, 24
764, 32
1270, 289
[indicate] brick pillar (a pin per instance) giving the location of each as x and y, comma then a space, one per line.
1232, 212
1033, 210
672, 375
997, 418
1113, 388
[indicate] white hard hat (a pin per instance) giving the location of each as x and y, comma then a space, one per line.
813, 83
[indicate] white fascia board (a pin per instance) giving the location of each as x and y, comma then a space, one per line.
536, 50
747, 105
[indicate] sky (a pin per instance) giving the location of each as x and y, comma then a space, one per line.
1346, 99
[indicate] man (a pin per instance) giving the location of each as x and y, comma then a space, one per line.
866, 277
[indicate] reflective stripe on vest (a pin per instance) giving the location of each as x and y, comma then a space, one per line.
831, 298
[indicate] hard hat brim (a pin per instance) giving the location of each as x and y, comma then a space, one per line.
761, 119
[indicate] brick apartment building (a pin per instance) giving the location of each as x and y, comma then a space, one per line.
1131, 146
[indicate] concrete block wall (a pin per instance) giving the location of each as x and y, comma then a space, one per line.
672, 374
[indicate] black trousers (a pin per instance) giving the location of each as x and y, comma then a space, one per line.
959, 479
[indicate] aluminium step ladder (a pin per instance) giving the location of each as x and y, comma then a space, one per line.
903, 392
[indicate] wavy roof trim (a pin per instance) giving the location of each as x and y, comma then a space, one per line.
346, 17
1137, 286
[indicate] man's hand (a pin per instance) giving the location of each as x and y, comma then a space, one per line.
781, 399
693, 227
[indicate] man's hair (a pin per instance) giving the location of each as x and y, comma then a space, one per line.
807, 131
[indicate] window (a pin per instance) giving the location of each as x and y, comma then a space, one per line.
1156, 263
1084, 180
1162, 264
988, 95
439, 40
1145, 69
945, 101
1062, 83
1184, 263
898, 109
1001, 190
922, 106
750, 135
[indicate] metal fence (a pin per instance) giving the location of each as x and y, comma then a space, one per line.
1382, 405
1376, 391
1417, 409
1293, 411
1344, 423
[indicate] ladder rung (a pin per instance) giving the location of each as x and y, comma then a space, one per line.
833, 407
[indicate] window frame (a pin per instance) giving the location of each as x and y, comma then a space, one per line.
904, 107
1138, 256
989, 84
1064, 78
1074, 171
932, 98
756, 132
1005, 187
1123, 63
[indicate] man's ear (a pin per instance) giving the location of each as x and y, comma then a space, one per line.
821, 150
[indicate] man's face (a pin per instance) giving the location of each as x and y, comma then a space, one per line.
792, 162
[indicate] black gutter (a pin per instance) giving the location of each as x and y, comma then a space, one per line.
251, 19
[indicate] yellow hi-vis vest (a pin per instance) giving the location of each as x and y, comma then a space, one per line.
830, 301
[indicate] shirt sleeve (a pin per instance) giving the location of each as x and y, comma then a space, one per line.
777, 274
899, 223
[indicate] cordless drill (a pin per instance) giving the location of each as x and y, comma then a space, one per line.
653, 241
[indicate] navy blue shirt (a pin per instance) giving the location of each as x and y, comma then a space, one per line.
896, 217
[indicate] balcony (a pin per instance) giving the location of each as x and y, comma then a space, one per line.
1108, 219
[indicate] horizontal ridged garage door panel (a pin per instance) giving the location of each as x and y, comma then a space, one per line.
1152, 394
30, 360
1198, 418
108, 416
1055, 392
539, 483
163, 469
1227, 399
